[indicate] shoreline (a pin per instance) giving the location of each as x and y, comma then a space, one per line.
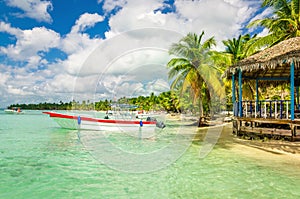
269, 145
260, 149
272, 146
272, 151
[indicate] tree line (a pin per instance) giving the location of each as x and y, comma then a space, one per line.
166, 101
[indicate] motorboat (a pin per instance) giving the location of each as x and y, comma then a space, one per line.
71, 121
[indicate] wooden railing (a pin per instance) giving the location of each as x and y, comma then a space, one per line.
276, 109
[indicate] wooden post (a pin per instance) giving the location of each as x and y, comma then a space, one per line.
275, 109
240, 93
256, 88
287, 109
292, 132
292, 84
281, 108
233, 91
259, 109
255, 109
297, 94
270, 108
246, 108
251, 109
265, 109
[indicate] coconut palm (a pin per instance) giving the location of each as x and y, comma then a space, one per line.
237, 49
284, 23
240, 48
193, 68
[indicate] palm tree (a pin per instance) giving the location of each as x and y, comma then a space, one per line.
238, 49
193, 68
282, 25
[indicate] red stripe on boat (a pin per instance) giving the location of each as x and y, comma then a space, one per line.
90, 119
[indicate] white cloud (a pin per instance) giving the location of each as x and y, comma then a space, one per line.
79, 45
136, 14
129, 89
157, 86
29, 42
263, 33
220, 18
57, 80
266, 13
4, 76
110, 5
35, 9
17, 91
141, 54
85, 21
5, 27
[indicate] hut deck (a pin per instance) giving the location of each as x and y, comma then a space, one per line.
267, 127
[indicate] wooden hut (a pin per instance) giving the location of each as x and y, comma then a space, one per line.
276, 65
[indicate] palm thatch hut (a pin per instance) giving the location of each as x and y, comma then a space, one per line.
279, 64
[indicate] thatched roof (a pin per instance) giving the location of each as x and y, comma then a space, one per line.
271, 62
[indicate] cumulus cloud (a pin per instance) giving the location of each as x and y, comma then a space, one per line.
222, 19
29, 42
29, 49
266, 13
136, 14
78, 45
6, 27
110, 5
85, 21
157, 86
35, 9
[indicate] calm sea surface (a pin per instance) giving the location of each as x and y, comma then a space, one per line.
40, 160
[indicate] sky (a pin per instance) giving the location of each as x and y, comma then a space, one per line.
52, 51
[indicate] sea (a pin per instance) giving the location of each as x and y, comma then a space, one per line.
38, 159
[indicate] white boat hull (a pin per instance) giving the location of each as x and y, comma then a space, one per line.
89, 123
9, 111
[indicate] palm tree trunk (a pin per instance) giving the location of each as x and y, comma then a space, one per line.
209, 101
201, 115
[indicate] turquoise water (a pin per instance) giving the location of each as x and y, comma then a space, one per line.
40, 160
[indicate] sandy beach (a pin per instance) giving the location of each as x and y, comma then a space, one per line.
271, 146
272, 150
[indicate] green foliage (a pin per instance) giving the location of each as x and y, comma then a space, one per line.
283, 24
166, 101
44, 106
193, 71
240, 48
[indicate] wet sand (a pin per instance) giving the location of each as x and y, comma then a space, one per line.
257, 149
271, 151
266, 150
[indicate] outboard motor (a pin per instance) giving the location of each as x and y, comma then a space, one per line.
160, 125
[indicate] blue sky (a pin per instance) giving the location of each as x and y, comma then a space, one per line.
53, 51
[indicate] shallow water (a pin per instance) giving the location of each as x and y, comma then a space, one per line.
40, 160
